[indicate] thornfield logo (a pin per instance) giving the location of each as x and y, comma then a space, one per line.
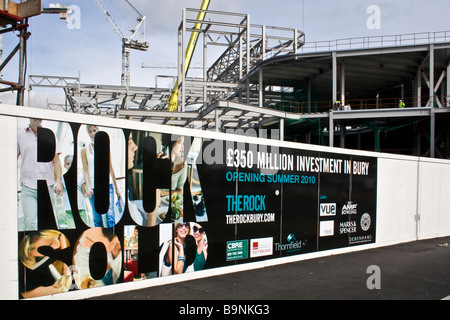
292, 245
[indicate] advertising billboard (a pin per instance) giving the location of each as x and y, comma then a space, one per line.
102, 205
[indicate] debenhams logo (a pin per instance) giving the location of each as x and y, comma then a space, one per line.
349, 208
292, 245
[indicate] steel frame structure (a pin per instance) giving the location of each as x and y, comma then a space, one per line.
245, 45
223, 80
240, 88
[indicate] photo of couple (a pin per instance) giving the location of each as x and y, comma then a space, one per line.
177, 254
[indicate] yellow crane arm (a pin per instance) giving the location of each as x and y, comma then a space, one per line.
173, 99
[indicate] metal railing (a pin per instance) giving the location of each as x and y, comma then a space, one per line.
377, 41
356, 104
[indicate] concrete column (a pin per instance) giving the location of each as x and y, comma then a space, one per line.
281, 129
432, 132
447, 97
419, 89
342, 84
431, 78
432, 114
217, 120
342, 136
334, 78
331, 129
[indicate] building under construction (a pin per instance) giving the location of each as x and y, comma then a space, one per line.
388, 94
206, 203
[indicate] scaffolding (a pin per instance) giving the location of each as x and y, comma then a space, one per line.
14, 18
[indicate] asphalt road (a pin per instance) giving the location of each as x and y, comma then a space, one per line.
418, 270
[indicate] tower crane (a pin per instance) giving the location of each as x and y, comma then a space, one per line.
127, 42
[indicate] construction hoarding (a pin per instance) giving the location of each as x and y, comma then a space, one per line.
100, 205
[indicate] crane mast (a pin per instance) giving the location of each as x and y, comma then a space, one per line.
127, 43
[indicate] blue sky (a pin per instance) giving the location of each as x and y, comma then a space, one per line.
95, 51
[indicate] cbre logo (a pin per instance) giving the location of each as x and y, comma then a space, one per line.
327, 209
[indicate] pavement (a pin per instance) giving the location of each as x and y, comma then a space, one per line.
418, 270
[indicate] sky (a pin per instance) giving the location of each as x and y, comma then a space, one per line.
93, 51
